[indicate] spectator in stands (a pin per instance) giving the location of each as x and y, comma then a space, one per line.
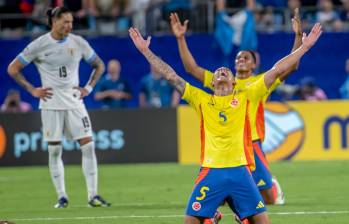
84, 15
181, 7
154, 16
112, 90
107, 7
344, 15
136, 9
344, 90
236, 31
284, 92
111, 15
308, 90
289, 13
12, 26
327, 16
38, 23
157, 92
270, 21
14, 104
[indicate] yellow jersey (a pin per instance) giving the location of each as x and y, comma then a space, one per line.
225, 127
256, 110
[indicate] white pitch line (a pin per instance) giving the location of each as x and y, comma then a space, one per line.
166, 216
98, 217
135, 204
309, 213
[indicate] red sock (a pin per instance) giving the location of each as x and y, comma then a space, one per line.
245, 221
275, 191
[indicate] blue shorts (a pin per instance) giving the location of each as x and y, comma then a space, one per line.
261, 174
216, 185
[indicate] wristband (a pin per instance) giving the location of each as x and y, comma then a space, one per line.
88, 88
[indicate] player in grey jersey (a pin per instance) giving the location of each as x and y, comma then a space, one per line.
57, 56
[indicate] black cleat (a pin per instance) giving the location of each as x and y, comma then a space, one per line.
98, 201
62, 203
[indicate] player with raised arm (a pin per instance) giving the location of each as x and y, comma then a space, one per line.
226, 134
57, 55
245, 63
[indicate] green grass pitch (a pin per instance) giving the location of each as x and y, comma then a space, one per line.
316, 193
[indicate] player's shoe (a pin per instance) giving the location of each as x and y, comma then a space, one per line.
280, 197
62, 203
98, 201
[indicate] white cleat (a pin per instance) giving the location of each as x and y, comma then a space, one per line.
280, 199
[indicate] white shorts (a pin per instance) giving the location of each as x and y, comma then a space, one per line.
74, 124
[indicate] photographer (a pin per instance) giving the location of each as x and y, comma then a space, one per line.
13, 103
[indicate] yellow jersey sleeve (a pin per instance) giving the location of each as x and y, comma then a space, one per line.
193, 96
271, 89
208, 77
275, 85
257, 90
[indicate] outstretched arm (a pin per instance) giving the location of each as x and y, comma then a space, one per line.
187, 58
285, 63
164, 69
297, 29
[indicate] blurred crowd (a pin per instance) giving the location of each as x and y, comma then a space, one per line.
114, 91
116, 16
101, 16
149, 16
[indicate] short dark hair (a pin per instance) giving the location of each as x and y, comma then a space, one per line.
56, 13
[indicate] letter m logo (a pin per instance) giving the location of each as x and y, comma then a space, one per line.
343, 123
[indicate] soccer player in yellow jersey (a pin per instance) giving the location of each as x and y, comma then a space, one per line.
245, 64
225, 134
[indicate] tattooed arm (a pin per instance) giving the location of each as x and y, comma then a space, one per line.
98, 69
164, 69
14, 70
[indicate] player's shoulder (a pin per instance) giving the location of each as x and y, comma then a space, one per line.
259, 75
75, 36
41, 39
196, 90
208, 72
252, 80
77, 39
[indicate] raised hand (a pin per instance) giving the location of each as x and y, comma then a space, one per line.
141, 44
309, 40
178, 28
42, 93
296, 22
